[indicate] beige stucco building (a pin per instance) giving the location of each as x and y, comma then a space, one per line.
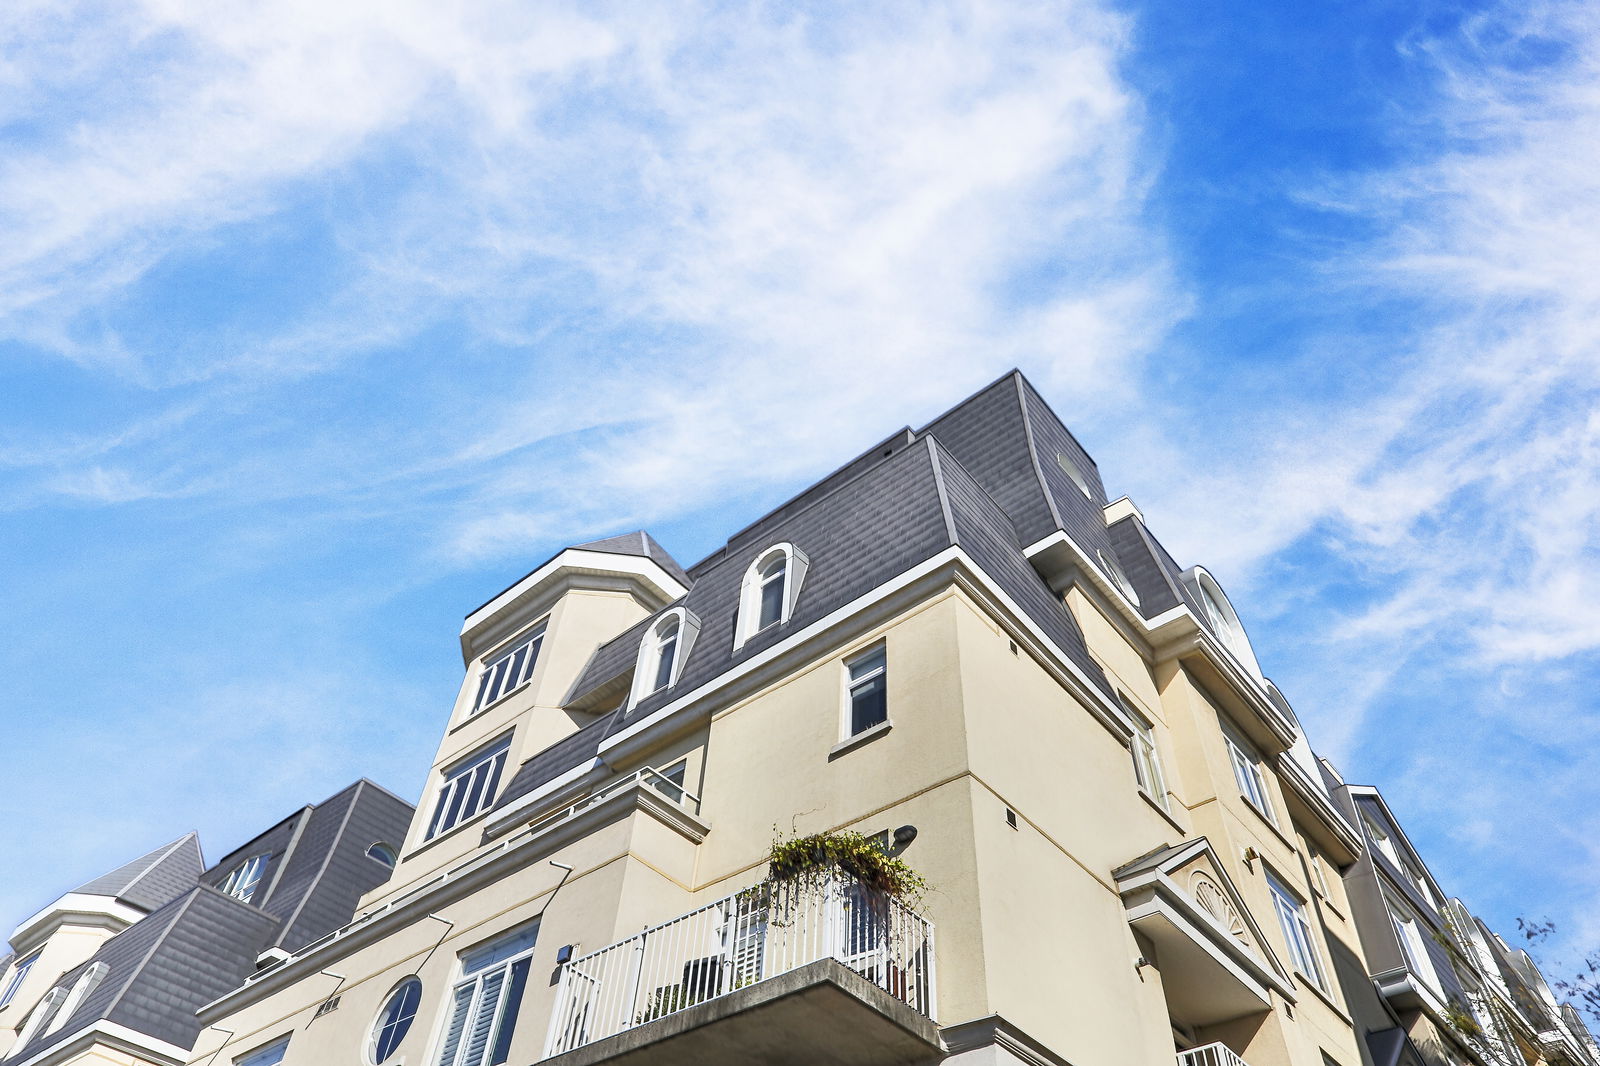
956, 644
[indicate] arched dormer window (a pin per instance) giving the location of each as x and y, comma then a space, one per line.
85, 985
1109, 565
662, 653
43, 1014
770, 588
1220, 617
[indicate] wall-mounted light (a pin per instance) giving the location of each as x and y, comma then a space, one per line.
563, 954
904, 836
1250, 856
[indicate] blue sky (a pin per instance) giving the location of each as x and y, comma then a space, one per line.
320, 323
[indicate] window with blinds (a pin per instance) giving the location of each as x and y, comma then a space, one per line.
483, 1004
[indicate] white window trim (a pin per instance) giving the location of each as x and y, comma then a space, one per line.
260, 1054
42, 1015
645, 667
1241, 751
85, 984
461, 770
243, 880
1413, 948
847, 706
1295, 923
476, 978
383, 1009
507, 652
1146, 753
1222, 619
796, 564
18, 974
1069, 466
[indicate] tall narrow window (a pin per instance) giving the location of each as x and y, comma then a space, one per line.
469, 788
42, 1015
1247, 772
19, 973
509, 670
1296, 930
243, 879
1413, 946
768, 593
1147, 759
868, 690
87, 982
666, 653
483, 1004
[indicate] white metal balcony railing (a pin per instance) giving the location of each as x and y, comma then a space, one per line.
1210, 1055
750, 936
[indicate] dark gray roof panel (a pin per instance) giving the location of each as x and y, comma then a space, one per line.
610, 661
988, 435
337, 838
984, 532
565, 754
1082, 517
1138, 559
641, 544
153, 878
274, 842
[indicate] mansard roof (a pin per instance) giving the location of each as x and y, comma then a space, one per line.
641, 544
154, 878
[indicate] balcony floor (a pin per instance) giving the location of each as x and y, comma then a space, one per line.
822, 1012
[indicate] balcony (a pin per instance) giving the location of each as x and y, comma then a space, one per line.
776, 973
1210, 1055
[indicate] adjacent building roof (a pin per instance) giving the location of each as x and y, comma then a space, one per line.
154, 878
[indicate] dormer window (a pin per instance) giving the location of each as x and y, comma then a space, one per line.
243, 879
769, 590
19, 973
663, 652
1120, 579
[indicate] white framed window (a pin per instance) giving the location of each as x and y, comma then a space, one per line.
663, 652
1074, 473
270, 1055
470, 787
1118, 578
769, 590
1381, 839
1248, 774
482, 1013
19, 973
242, 880
509, 670
1319, 877
81, 988
42, 1015
1146, 758
382, 851
1296, 930
394, 1020
866, 690
1413, 942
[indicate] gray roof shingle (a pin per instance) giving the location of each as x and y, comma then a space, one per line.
153, 878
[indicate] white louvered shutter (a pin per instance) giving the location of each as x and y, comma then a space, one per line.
484, 1015
458, 1024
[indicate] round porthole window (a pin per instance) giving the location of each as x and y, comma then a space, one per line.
394, 1021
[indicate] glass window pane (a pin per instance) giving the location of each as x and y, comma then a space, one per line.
667, 651
771, 603
868, 703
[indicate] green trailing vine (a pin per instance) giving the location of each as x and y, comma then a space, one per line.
1465, 1024
808, 861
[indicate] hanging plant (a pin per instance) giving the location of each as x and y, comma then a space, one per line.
810, 860
1461, 1018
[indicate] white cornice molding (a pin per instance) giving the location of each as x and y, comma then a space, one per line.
120, 1037
77, 908
657, 587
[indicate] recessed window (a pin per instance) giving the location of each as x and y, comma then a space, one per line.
769, 590
394, 1021
1247, 772
19, 973
1319, 879
666, 653
1147, 758
868, 681
242, 879
1296, 930
482, 1013
1118, 578
1071, 469
1413, 945
469, 788
383, 853
508, 670
270, 1055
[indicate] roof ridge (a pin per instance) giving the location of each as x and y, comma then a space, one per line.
1033, 453
165, 853
938, 484
327, 857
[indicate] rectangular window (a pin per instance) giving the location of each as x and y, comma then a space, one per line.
508, 671
1412, 946
669, 782
1319, 878
869, 705
469, 788
267, 1056
1147, 759
1247, 772
1296, 930
484, 1003
19, 973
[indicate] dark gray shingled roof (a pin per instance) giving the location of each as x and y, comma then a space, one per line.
642, 544
161, 970
153, 878
204, 943
869, 528
1159, 590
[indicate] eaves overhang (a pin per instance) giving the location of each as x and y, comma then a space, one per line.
1339, 840
76, 908
141, 1046
644, 576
